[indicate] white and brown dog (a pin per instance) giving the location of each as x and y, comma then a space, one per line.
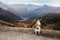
38, 27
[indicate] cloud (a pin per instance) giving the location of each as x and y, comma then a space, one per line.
36, 2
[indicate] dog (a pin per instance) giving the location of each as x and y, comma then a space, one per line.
38, 27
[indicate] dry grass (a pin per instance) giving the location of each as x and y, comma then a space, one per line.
44, 32
50, 33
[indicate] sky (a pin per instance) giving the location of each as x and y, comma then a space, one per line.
35, 2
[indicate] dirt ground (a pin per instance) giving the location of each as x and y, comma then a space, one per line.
12, 35
17, 35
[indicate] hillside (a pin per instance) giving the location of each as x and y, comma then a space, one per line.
8, 16
49, 21
24, 23
3, 23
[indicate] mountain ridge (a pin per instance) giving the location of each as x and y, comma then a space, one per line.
30, 11
8, 16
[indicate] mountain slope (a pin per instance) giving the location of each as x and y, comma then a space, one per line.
49, 17
31, 11
8, 16
7, 8
23, 10
46, 9
3, 23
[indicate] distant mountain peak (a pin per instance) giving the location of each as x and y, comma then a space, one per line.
45, 6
